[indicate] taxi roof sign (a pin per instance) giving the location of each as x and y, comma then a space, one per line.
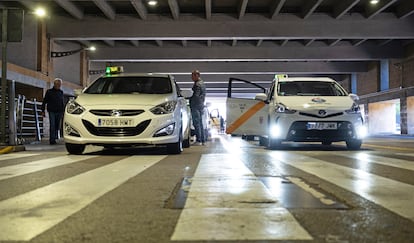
115, 69
279, 76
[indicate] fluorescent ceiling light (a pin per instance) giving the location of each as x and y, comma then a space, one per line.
374, 1
152, 2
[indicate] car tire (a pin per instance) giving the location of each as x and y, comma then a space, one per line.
75, 148
176, 148
262, 141
186, 142
273, 143
354, 144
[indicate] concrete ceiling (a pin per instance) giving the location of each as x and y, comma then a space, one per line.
248, 39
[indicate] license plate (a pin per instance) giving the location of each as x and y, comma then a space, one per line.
114, 122
321, 126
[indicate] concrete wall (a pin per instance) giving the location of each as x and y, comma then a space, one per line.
67, 67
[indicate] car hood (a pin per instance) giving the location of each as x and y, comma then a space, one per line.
317, 102
123, 99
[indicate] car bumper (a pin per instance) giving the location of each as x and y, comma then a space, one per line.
146, 129
294, 127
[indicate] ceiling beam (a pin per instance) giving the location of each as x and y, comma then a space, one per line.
373, 10
242, 8
71, 8
250, 53
104, 6
310, 7
275, 9
174, 8
140, 8
286, 27
343, 7
208, 9
405, 9
236, 68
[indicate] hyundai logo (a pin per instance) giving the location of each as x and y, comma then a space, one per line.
116, 113
322, 112
318, 100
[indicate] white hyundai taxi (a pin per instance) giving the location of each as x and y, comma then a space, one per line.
301, 109
120, 110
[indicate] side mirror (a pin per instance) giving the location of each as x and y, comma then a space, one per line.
261, 96
77, 92
354, 97
186, 93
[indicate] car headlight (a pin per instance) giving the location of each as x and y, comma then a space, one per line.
74, 108
164, 108
354, 109
281, 108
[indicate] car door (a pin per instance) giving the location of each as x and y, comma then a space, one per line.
246, 115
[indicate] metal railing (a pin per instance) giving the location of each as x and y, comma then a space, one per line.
29, 120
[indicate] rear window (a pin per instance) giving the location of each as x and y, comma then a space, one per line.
130, 85
310, 88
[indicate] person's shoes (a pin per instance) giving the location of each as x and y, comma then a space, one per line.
52, 142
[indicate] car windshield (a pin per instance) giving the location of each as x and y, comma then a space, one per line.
310, 88
130, 85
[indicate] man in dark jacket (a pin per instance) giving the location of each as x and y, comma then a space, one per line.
54, 102
197, 106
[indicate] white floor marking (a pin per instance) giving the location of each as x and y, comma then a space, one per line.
371, 158
15, 156
227, 201
26, 168
396, 196
28, 215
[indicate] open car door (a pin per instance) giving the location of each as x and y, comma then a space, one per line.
246, 115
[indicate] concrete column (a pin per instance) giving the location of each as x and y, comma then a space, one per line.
43, 57
84, 68
354, 85
384, 75
403, 115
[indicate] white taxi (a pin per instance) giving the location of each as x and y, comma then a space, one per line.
301, 109
138, 109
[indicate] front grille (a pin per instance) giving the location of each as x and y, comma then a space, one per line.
116, 131
299, 133
318, 116
121, 112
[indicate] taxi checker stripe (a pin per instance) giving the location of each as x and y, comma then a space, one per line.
243, 118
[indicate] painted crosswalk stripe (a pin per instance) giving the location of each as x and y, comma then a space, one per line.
396, 196
15, 156
367, 157
226, 201
30, 167
26, 216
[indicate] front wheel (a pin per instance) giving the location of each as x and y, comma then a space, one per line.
176, 148
273, 143
75, 148
354, 144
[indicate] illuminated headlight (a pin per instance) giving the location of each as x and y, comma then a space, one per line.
361, 131
281, 108
164, 108
168, 130
275, 131
74, 108
354, 109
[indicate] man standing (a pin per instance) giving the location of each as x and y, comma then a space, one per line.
197, 106
55, 106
